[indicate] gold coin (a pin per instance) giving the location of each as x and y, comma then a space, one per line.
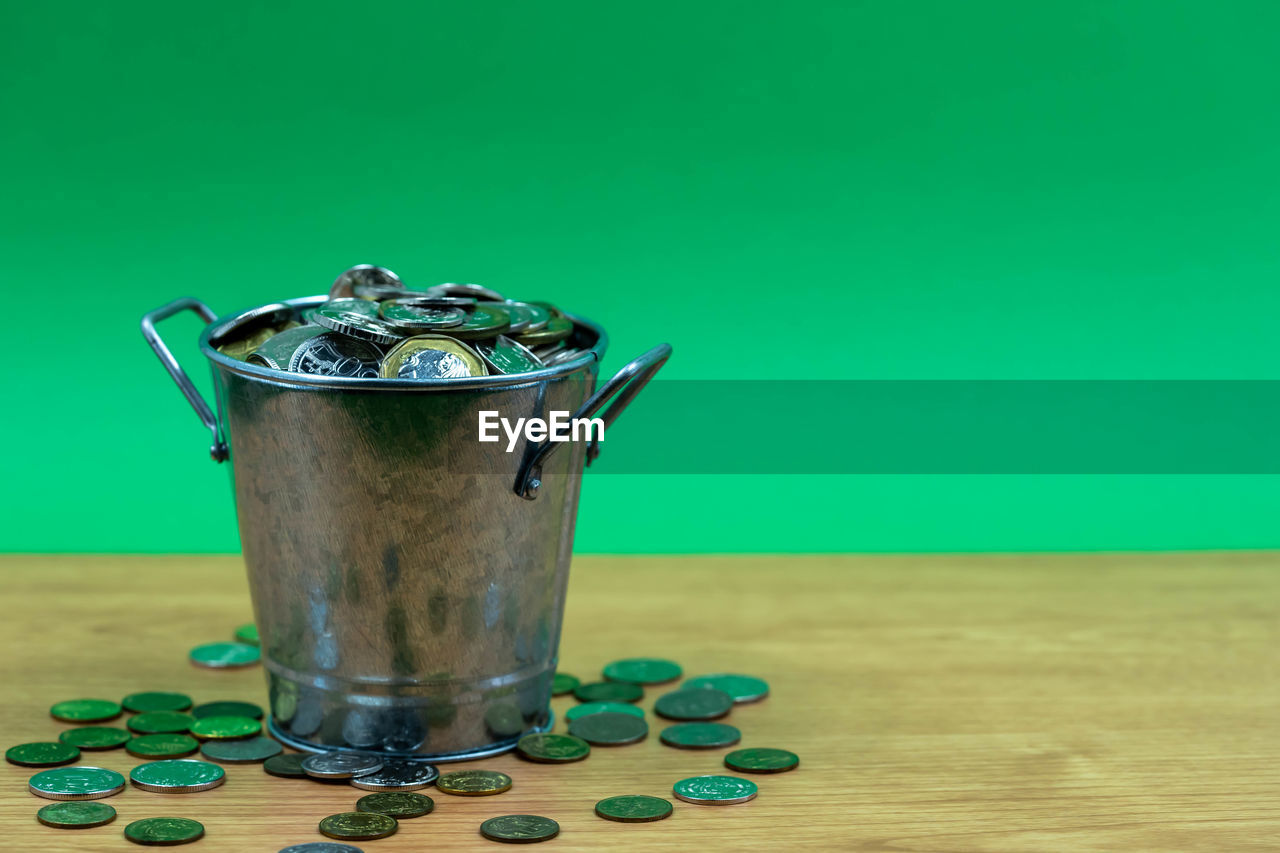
425, 357
474, 783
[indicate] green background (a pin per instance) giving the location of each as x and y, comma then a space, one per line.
827, 190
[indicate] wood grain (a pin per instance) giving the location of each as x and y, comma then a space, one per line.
1010, 703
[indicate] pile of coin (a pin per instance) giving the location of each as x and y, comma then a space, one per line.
373, 326
166, 727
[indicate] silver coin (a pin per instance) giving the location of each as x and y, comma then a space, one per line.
475, 291
506, 356
398, 774
365, 276
278, 349
564, 355
525, 317
340, 765
333, 354
247, 322
76, 783
320, 847
423, 315
355, 324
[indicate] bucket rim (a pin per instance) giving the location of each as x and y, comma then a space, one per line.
593, 355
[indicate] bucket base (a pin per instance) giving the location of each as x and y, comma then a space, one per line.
486, 752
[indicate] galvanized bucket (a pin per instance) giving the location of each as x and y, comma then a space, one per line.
408, 580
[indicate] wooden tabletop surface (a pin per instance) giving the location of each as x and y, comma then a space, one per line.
1002, 703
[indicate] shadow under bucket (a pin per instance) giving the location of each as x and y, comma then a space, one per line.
408, 580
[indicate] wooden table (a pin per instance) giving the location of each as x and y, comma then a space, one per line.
1004, 703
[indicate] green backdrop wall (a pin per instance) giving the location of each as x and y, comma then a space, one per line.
823, 190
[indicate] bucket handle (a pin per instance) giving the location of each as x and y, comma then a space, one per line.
621, 389
218, 450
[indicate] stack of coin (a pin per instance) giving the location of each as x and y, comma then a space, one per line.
375, 327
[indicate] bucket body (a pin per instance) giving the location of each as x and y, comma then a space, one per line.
408, 596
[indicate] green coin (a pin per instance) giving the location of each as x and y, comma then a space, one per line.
520, 828
286, 765
587, 708
715, 790
553, 749
700, 735
177, 776
161, 722
227, 709
563, 683
474, 783
396, 804
248, 750
225, 728
162, 746
761, 760
41, 754
76, 815
140, 703
248, 634
225, 655
557, 329
96, 737
698, 703
643, 671
163, 831
86, 710
609, 729
634, 808
486, 321
76, 783
358, 826
743, 688
504, 720
608, 691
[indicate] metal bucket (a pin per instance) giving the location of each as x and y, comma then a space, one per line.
408, 581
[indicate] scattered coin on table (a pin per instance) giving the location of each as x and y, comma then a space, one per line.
225, 728
177, 776
743, 688
358, 826
396, 804
162, 746
227, 709
562, 683
320, 847
700, 735
552, 748
164, 831
160, 723
398, 774
225, 655
96, 738
474, 783
634, 808
140, 703
76, 815
520, 828
250, 750
715, 790
694, 704
287, 765
41, 754
609, 729
340, 765
76, 783
608, 691
762, 760
86, 710
643, 671
587, 708
248, 634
